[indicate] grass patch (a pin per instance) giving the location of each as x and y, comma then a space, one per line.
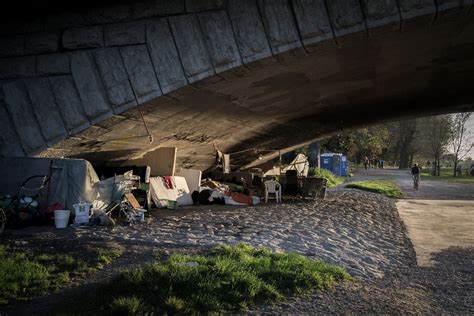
446, 174
25, 275
385, 187
227, 278
332, 179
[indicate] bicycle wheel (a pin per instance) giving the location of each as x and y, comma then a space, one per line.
3, 220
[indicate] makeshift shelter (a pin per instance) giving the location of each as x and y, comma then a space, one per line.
171, 188
300, 164
72, 180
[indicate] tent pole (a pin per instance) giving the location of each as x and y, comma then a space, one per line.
279, 161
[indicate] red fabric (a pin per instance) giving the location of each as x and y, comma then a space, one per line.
240, 198
168, 181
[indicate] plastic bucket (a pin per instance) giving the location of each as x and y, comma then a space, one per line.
61, 218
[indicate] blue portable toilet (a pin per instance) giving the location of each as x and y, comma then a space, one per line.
336, 163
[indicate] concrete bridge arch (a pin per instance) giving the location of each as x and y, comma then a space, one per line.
236, 74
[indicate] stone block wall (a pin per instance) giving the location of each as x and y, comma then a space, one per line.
62, 73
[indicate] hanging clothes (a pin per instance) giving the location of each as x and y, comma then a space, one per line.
168, 182
219, 156
226, 163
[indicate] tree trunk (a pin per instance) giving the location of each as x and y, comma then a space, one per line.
404, 158
437, 167
411, 159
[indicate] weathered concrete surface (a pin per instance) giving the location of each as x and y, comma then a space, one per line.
249, 31
188, 37
164, 55
17, 67
279, 25
435, 225
140, 71
9, 143
23, 117
53, 64
144, 9
124, 33
235, 74
346, 16
44, 42
90, 87
83, 37
46, 110
220, 40
115, 79
313, 21
378, 13
69, 103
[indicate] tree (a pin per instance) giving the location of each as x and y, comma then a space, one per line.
406, 135
435, 133
461, 141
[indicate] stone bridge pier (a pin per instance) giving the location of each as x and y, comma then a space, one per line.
96, 80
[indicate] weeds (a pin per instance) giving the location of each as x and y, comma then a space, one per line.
385, 187
25, 275
227, 278
332, 180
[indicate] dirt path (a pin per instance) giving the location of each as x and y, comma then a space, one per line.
439, 215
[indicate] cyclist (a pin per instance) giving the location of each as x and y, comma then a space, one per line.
415, 171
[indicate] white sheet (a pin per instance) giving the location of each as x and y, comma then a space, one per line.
193, 178
161, 194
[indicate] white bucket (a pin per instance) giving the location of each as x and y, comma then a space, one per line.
61, 218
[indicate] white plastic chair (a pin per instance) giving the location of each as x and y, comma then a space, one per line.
273, 187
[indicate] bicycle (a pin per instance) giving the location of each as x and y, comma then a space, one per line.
22, 209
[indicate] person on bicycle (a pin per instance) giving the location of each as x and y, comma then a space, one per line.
415, 171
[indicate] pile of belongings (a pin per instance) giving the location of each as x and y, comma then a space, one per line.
186, 188
213, 192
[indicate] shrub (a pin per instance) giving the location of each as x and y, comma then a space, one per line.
331, 178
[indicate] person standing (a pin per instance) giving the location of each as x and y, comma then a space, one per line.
415, 171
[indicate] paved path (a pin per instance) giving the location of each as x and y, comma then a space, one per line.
428, 189
439, 215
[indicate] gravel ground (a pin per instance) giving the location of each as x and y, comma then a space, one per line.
358, 230
445, 288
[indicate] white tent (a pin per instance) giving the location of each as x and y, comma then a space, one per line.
300, 164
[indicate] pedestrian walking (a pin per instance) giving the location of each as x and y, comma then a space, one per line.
415, 171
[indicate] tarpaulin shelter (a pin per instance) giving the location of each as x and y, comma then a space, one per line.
72, 180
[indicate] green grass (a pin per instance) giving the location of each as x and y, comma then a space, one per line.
227, 278
332, 180
25, 275
446, 174
385, 187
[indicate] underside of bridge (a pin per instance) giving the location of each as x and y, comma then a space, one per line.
299, 85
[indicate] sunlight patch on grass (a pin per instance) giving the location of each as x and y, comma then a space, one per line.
446, 174
227, 278
385, 187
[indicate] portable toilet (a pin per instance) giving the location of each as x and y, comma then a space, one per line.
336, 163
